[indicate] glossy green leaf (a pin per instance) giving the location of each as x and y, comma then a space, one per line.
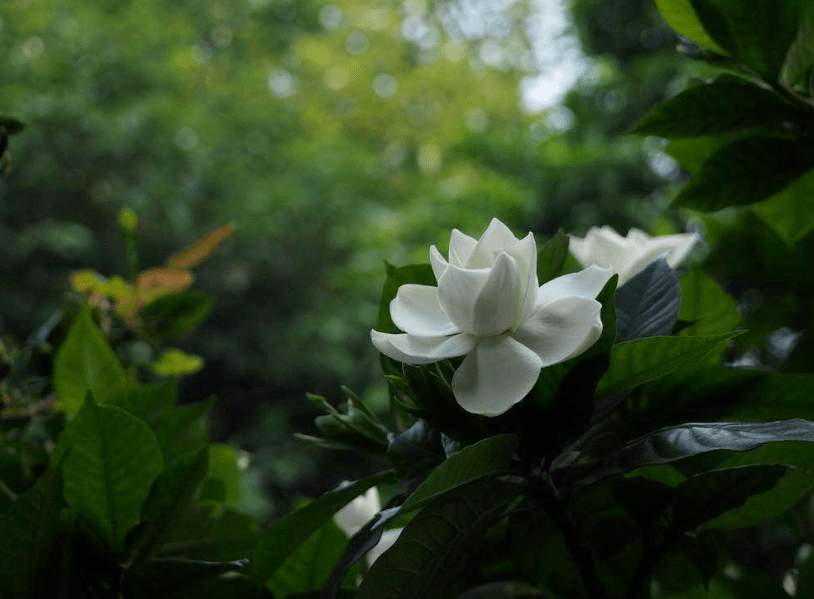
635, 362
85, 362
289, 533
113, 461
486, 458
420, 274
310, 565
415, 453
790, 213
757, 33
706, 305
744, 172
29, 535
681, 16
706, 495
435, 545
800, 57
647, 305
678, 442
551, 257
719, 107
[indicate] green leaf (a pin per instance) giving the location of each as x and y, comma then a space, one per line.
85, 362
228, 465
635, 362
163, 576
706, 305
355, 427
415, 453
551, 257
285, 536
744, 172
174, 362
171, 316
706, 495
790, 213
183, 429
12, 125
231, 586
800, 57
29, 535
680, 15
490, 457
719, 107
647, 305
508, 589
211, 535
420, 274
776, 396
310, 565
434, 547
757, 33
678, 442
113, 461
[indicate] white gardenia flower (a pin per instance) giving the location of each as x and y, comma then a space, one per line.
488, 307
359, 512
628, 256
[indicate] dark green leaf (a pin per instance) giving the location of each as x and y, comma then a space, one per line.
229, 586
420, 274
162, 577
635, 362
757, 33
704, 496
434, 547
681, 16
551, 257
415, 453
790, 213
776, 396
720, 107
706, 305
744, 172
486, 458
800, 58
12, 125
692, 439
183, 429
29, 537
113, 461
286, 535
211, 535
503, 590
173, 315
647, 305
805, 578
353, 427
85, 362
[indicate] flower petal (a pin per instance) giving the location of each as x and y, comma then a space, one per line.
586, 283
458, 290
562, 329
498, 304
495, 376
412, 349
675, 246
416, 310
358, 512
461, 247
496, 238
439, 265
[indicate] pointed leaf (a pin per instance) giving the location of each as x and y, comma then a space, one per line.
289, 533
635, 362
647, 305
435, 545
791, 212
681, 16
85, 362
551, 257
29, 535
800, 58
490, 457
113, 461
415, 453
744, 172
706, 305
201, 249
692, 439
720, 107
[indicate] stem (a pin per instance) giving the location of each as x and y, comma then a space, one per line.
557, 509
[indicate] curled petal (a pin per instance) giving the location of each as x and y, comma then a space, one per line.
562, 329
412, 349
416, 310
495, 376
498, 304
458, 290
461, 247
586, 283
439, 265
497, 238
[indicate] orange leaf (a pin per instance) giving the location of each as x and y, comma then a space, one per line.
169, 280
200, 250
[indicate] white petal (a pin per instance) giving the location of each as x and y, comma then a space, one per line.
412, 349
416, 310
562, 329
498, 304
602, 246
525, 252
495, 239
439, 265
461, 247
358, 512
586, 283
389, 537
458, 290
495, 376
677, 246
